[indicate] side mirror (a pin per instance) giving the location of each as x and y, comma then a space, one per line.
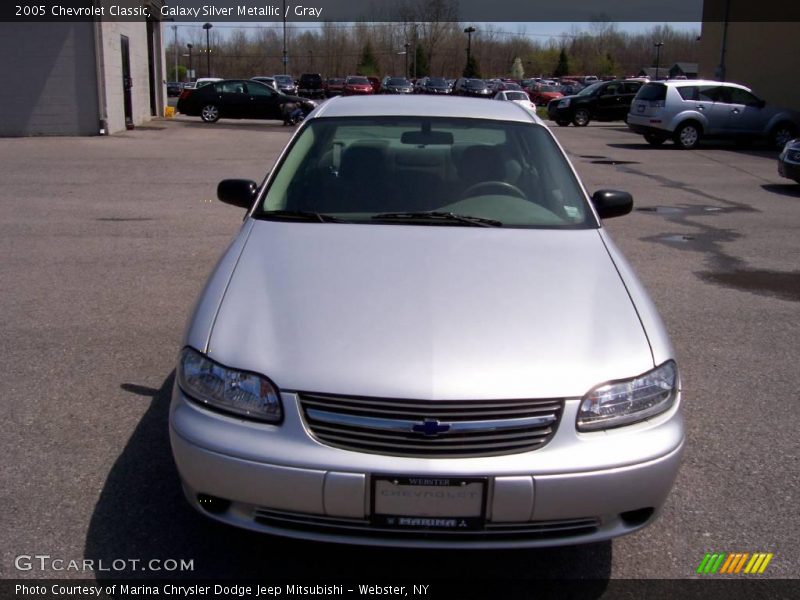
612, 203
238, 192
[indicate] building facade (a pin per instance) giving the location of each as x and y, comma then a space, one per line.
760, 55
81, 77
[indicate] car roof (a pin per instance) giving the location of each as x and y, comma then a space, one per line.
433, 106
687, 82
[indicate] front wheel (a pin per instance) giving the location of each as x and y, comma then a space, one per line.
655, 139
687, 136
581, 117
210, 113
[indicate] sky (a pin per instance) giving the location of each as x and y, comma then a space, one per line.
537, 30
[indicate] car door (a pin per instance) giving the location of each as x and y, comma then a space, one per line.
233, 97
746, 114
264, 102
609, 102
628, 93
711, 103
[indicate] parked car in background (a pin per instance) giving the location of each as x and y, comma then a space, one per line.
334, 86
601, 101
436, 86
789, 160
347, 408
397, 85
355, 85
542, 94
518, 97
375, 82
475, 88
285, 84
310, 86
174, 88
689, 110
235, 99
419, 85
507, 85
270, 81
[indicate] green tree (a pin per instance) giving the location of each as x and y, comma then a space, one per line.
180, 75
517, 70
562, 68
472, 69
368, 65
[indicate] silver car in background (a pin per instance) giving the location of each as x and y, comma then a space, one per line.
423, 336
690, 110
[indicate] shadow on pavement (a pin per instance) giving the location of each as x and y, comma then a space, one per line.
784, 189
142, 514
751, 149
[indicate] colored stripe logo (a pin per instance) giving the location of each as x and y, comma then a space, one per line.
734, 563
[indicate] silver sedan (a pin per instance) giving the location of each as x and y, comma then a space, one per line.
423, 336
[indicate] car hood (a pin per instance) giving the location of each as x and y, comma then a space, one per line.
425, 312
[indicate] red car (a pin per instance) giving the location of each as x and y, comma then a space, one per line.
333, 86
541, 94
356, 85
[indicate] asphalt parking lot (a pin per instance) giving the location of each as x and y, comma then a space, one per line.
106, 242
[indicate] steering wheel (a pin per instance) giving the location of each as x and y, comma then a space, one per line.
500, 187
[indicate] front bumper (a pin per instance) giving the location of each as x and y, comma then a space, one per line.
789, 169
280, 480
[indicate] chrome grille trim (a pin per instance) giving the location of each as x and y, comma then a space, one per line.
431, 428
401, 425
363, 527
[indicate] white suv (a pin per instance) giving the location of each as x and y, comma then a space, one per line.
688, 110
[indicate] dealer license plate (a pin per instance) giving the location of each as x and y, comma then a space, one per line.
441, 503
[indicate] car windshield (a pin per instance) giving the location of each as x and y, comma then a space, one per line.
516, 95
588, 91
358, 81
548, 88
437, 82
284, 79
360, 169
476, 83
398, 81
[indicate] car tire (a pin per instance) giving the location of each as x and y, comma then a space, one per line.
563, 122
782, 133
655, 139
210, 113
688, 135
581, 117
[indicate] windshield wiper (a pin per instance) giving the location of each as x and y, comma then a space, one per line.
438, 215
304, 215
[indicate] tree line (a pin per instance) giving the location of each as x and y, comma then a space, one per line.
436, 47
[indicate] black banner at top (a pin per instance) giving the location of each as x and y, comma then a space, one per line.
651, 11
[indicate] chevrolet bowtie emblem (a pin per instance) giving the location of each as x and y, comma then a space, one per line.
430, 427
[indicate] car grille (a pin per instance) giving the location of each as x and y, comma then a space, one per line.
363, 528
431, 428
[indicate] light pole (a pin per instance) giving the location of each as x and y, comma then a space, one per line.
208, 27
658, 55
189, 74
469, 31
175, 31
285, 58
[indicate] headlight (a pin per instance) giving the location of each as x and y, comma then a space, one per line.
625, 402
238, 392
563, 103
